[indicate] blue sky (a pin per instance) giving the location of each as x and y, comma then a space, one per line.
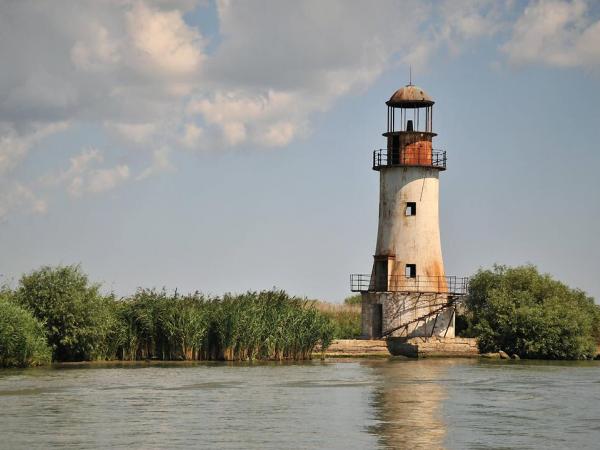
225, 147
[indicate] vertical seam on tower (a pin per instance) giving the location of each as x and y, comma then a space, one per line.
422, 188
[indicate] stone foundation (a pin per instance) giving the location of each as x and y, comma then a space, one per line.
433, 346
400, 308
386, 311
411, 347
357, 348
371, 315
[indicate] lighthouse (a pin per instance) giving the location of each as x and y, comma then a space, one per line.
408, 294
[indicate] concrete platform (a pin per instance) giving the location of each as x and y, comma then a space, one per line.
435, 346
357, 348
413, 347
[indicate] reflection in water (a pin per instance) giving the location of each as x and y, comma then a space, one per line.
408, 402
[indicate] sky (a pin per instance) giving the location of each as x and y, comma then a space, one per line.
226, 146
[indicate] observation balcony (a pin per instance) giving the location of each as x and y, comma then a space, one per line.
395, 158
453, 286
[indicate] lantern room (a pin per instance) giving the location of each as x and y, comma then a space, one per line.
409, 131
414, 108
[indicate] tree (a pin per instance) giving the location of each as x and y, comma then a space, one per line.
521, 311
22, 337
77, 318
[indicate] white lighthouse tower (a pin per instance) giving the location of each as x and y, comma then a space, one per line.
408, 293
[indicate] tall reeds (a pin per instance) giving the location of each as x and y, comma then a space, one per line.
254, 325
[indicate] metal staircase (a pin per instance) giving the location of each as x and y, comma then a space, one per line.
451, 302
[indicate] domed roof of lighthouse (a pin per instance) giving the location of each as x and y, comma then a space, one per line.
410, 96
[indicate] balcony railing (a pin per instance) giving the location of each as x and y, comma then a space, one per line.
391, 158
398, 283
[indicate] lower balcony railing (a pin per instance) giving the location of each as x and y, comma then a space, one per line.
398, 283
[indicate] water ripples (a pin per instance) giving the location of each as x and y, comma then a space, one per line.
461, 404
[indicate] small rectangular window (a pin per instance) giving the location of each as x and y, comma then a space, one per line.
411, 271
411, 208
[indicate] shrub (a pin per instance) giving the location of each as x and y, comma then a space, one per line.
78, 320
22, 337
521, 311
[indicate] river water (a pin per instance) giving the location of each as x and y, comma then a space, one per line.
349, 404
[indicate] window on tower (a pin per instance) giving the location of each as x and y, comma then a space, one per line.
411, 208
411, 271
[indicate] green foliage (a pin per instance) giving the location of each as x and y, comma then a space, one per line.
521, 311
79, 321
462, 324
154, 324
22, 337
254, 325
345, 318
353, 300
266, 325
184, 324
82, 324
347, 325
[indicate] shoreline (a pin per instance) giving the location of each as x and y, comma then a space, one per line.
340, 349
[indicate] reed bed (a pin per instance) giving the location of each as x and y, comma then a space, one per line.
60, 312
268, 325
345, 318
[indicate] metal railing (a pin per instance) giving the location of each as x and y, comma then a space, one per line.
398, 283
409, 157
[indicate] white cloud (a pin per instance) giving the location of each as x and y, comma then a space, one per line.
160, 163
121, 62
256, 117
136, 70
14, 145
82, 176
81, 163
75, 186
12, 149
138, 63
124, 65
164, 41
279, 134
192, 136
96, 51
73, 176
138, 133
102, 180
556, 33
18, 197
272, 71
